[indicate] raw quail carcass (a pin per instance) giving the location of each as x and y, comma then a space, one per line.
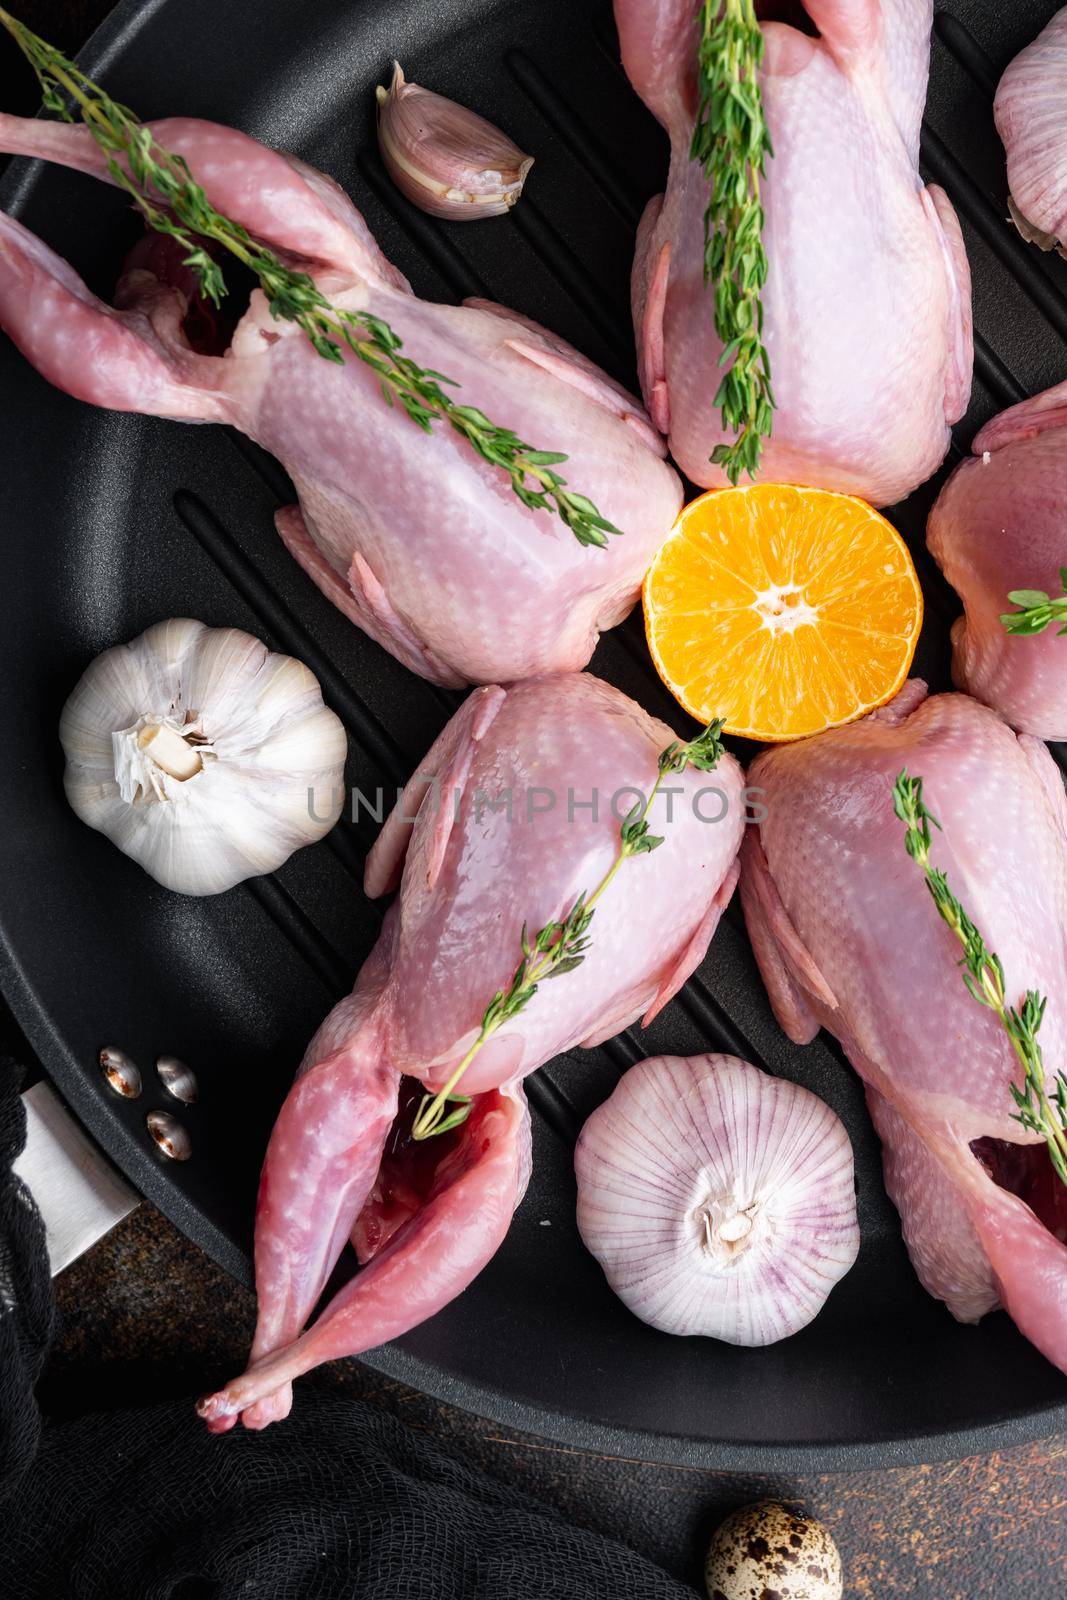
996, 527
1028, 110
847, 938
417, 539
517, 809
867, 302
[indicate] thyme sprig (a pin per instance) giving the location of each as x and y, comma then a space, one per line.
1040, 1109
169, 199
560, 946
732, 144
1036, 610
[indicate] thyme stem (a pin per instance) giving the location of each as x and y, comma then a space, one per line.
145, 169
731, 143
1039, 1111
1036, 610
559, 947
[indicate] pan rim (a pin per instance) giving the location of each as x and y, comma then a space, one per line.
119, 33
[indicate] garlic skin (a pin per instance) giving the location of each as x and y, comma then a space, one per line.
718, 1200
445, 159
202, 755
1028, 111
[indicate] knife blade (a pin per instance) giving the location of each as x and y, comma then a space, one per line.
79, 1194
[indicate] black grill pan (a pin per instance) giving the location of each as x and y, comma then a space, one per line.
112, 522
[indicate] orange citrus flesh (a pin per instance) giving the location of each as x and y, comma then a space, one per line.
783, 610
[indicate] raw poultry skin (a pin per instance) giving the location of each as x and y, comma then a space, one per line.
1028, 110
847, 938
998, 525
867, 304
413, 536
469, 876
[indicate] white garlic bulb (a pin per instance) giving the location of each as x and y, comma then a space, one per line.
717, 1199
444, 158
202, 755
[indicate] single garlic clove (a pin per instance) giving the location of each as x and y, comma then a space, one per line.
445, 158
766, 1549
717, 1199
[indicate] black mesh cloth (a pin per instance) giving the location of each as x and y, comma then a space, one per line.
25, 1293
342, 1500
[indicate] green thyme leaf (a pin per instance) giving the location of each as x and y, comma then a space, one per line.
1039, 1109
731, 143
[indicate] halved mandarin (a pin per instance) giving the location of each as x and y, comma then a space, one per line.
783, 610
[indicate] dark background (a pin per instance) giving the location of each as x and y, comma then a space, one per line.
145, 1316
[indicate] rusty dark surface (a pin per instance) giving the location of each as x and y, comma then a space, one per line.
146, 1316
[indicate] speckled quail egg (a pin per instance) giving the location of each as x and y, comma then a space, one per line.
767, 1552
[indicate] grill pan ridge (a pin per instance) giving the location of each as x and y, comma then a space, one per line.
135, 519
